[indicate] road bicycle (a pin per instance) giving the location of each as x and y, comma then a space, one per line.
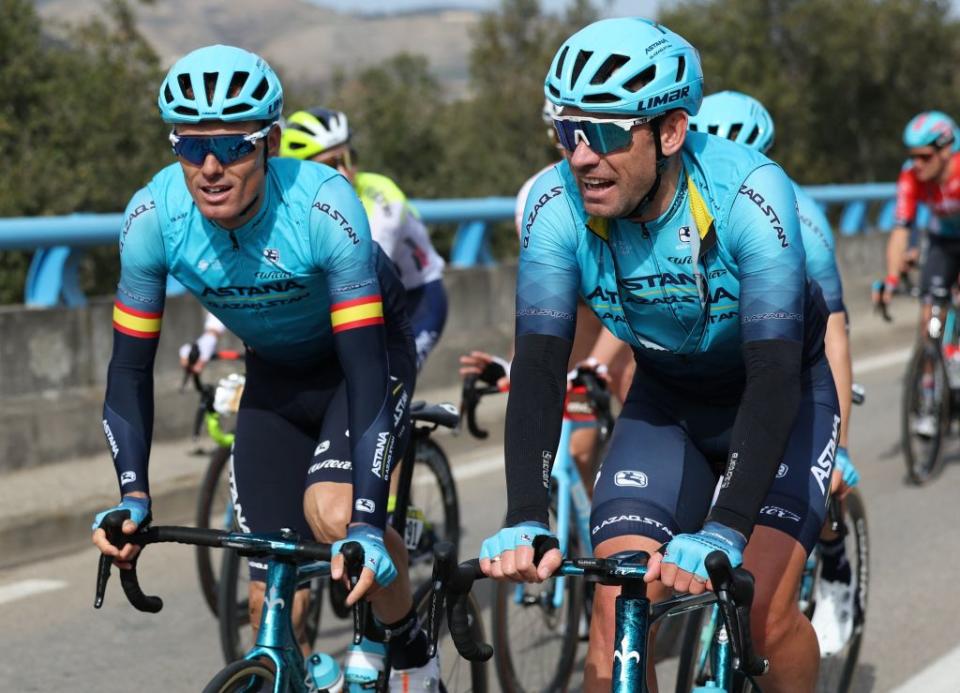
737, 664
433, 514
275, 662
537, 628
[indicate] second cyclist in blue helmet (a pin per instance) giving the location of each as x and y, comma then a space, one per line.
742, 118
687, 247
280, 251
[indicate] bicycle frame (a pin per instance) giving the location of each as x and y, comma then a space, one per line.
276, 639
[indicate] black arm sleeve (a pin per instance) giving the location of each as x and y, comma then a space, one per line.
534, 417
764, 420
128, 409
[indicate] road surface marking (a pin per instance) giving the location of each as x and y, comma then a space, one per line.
26, 588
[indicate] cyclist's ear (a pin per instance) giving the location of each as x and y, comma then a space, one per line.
673, 131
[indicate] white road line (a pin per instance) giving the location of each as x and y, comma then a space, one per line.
939, 677
481, 467
881, 361
26, 588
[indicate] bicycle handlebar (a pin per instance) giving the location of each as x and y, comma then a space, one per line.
286, 544
733, 591
470, 396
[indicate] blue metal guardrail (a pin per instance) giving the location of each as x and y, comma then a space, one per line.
60, 241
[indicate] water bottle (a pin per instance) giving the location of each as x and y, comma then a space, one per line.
324, 673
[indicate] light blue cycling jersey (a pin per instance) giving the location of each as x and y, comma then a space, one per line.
819, 246
722, 266
279, 282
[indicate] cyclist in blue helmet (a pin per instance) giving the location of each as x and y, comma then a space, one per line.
688, 247
742, 118
280, 251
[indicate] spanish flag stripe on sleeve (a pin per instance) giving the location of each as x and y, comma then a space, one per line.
358, 312
136, 323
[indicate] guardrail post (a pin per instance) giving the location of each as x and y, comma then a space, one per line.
53, 278
851, 221
470, 245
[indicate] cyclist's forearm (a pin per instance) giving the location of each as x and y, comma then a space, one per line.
534, 418
837, 348
363, 358
128, 410
896, 248
761, 430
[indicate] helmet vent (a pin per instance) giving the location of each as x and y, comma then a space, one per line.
554, 91
681, 64
296, 145
601, 98
610, 65
713, 129
641, 80
261, 89
563, 57
735, 131
185, 87
579, 64
693, 126
754, 134
186, 111
167, 94
236, 83
210, 85
236, 108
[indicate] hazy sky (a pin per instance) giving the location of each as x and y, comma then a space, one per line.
618, 7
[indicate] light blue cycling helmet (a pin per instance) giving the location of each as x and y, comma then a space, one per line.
737, 117
626, 65
930, 129
241, 87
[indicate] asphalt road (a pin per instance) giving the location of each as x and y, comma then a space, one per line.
52, 639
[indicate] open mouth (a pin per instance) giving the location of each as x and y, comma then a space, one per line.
596, 184
215, 193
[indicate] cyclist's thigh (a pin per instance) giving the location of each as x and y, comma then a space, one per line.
654, 482
797, 501
427, 308
274, 443
940, 268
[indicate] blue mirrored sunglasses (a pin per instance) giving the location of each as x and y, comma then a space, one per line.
602, 136
226, 148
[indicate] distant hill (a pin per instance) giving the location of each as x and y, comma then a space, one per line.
306, 41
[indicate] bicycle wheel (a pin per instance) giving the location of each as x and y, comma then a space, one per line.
246, 676
214, 510
457, 675
434, 493
837, 671
236, 635
925, 413
534, 640
694, 667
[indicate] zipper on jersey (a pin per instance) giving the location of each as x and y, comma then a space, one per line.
233, 240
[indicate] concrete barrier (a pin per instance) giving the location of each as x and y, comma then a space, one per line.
53, 362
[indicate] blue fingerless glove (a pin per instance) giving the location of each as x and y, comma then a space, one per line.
509, 538
375, 556
851, 477
689, 551
139, 510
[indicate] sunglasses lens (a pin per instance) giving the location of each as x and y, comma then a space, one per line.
225, 148
602, 138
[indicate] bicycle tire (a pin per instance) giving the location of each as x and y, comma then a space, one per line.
430, 457
206, 502
234, 621
243, 676
923, 455
454, 676
837, 671
508, 656
689, 669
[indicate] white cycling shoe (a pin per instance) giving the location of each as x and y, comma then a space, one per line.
925, 425
833, 616
425, 678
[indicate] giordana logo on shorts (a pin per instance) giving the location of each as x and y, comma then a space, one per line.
632, 518
782, 470
114, 448
629, 477
782, 513
127, 478
322, 448
365, 505
330, 464
821, 470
